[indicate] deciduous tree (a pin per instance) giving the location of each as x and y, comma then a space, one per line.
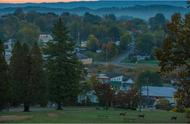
92, 43
105, 94
148, 78
125, 41
175, 55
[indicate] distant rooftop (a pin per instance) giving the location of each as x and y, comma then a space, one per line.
81, 56
158, 91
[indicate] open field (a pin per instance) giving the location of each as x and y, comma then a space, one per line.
142, 62
91, 115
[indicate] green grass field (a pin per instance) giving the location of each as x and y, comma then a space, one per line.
146, 62
91, 115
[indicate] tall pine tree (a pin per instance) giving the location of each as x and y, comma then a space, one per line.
19, 70
25, 83
64, 70
15, 74
38, 87
4, 85
27, 76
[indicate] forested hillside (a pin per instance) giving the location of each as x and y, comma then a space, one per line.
136, 11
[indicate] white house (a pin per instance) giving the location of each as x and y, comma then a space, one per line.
103, 78
127, 84
45, 38
89, 95
8, 49
118, 78
98, 51
117, 43
142, 57
84, 59
84, 44
130, 81
124, 83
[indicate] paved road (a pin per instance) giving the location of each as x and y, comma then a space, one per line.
117, 61
120, 58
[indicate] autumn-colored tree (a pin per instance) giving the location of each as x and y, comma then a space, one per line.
88, 85
92, 43
175, 55
110, 50
127, 99
105, 94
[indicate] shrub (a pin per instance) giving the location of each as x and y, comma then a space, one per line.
163, 104
174, 109
105, 94
180, 109
187, 110
127, 100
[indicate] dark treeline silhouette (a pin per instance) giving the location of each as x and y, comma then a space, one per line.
29, 81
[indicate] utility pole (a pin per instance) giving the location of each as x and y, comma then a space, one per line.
147, 82
106, 55
78, 38
140, 95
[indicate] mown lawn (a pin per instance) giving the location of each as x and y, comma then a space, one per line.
91, 115
150, 62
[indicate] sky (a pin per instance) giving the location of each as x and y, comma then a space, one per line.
39, 1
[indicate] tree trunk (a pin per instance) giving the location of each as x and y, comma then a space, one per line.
59, 107
26, 107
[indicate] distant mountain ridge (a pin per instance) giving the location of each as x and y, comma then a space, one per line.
139, 11
97, 4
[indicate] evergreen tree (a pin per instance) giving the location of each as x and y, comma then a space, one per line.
4, 85
19, 70
38, 87
27, 76
64, 69
26, 85
16, 74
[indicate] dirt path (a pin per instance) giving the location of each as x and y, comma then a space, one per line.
7, 118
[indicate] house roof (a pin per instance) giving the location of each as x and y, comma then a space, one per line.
158, 91
112, 75
103, 76
129, 81
81, 56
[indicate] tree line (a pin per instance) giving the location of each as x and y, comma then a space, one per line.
106, 29
35, 77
